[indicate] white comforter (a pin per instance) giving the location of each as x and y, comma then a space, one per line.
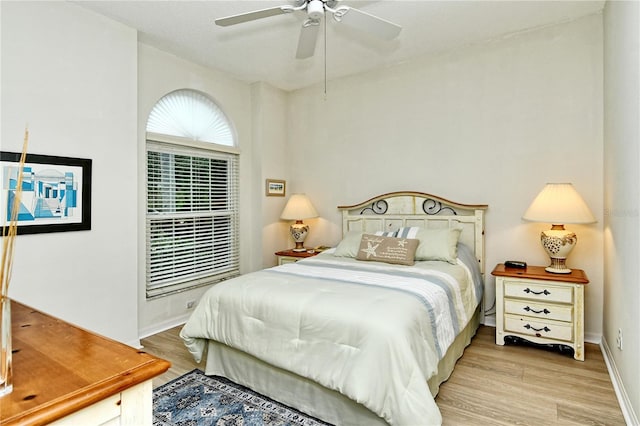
371, 331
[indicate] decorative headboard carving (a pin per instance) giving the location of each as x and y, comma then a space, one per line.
394, 210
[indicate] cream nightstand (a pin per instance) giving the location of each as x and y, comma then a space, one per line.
290, 256
541, 307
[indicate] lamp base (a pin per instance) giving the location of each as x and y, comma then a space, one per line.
558, 267
558, 243
299, 247
299, 233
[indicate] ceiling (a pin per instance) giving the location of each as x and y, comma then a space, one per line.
265, 50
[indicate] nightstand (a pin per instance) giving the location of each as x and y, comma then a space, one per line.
540, 307
290, 256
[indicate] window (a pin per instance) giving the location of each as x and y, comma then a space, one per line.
192, 195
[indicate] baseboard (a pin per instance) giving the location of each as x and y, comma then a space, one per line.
490, 320
630, 416
593, 338
134, 344
163, 326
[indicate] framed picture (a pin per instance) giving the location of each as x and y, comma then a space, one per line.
56, 192
276, 188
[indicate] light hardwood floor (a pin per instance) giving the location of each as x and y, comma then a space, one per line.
490, 385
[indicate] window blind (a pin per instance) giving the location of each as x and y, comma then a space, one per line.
192, 217
191, 114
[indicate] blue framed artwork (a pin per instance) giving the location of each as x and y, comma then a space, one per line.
56, 192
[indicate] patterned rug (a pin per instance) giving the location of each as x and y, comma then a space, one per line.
195, 399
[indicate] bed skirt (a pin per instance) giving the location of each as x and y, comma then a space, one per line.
308, 396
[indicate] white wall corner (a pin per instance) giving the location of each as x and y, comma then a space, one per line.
164, 325
593, 338
490, 320
630, 417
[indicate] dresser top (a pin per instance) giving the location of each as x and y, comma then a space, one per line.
577, 276
59, 368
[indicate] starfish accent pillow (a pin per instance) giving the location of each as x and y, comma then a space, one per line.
400, 251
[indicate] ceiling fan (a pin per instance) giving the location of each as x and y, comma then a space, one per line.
316, 10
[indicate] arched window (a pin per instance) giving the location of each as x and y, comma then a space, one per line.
192, 194
190, 114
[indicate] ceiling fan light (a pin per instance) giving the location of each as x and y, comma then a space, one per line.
315, 9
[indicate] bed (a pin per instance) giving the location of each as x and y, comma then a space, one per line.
361, 334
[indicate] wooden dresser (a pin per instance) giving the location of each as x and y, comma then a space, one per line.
63, 374
541, 307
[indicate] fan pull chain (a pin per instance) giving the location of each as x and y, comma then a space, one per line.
325, 58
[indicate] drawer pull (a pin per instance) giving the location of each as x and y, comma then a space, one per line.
545, 328
541, 311
545, 291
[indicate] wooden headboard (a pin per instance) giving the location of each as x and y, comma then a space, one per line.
394, 210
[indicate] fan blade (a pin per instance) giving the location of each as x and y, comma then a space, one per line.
367, 22
308, 37
252, 16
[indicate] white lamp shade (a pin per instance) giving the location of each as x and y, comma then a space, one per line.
298, 207
559, 203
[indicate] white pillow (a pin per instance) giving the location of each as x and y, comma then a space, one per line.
435, 243
349, 245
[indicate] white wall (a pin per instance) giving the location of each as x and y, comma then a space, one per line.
487, 123
271, 162
71, 75
622, 197
158, 74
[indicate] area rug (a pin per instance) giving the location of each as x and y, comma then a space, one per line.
195, 399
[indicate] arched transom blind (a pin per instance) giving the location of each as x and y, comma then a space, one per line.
190, 114
192, 206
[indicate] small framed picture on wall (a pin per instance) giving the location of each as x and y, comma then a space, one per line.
275, 188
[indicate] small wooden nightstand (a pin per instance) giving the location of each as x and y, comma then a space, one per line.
541, 307
290, 256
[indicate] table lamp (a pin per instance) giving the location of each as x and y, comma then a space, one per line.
557, 204
298, 207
